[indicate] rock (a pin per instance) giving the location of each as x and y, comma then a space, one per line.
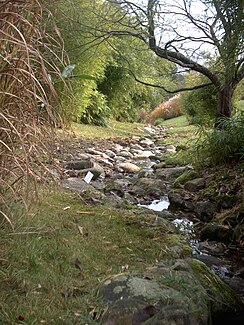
212, 248
149, 186
74, 184
93, 151
129, 167
144, 154
224, 300
110, 153
205, 210
159, 165
216, 232
150, 130
195, 185
133, 300
125, 154
80, 186
146, 142
174, 292
171, 149
136, 146
79, 164
178, 202
97, 170
185, 177
170, 173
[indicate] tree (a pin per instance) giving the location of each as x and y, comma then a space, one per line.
113, 64
174, 31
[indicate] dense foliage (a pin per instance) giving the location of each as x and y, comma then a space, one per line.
113, 64
199, 105
223, 145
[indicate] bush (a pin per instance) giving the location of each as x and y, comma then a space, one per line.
166, 110
221, 145
97, 112
199, 105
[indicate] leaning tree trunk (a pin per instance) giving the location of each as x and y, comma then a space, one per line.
224, 105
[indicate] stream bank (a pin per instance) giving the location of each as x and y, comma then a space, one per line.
127, 173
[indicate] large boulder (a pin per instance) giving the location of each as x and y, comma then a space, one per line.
170, 173
173, 293
149, 187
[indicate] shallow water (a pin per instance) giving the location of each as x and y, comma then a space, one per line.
157, 205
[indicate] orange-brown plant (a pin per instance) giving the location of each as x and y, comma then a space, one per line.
28, 64
169, 109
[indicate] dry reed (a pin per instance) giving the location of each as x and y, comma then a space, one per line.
28, 64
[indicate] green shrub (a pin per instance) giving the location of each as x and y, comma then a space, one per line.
199, 105
221, 145
97, 112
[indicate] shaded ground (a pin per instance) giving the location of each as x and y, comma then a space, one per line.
64, 247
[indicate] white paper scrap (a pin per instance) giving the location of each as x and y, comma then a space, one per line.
88, 177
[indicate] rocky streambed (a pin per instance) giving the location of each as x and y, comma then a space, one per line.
133, 174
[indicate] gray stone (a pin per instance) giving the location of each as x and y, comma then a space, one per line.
171, 149
159, 165
205, 210
170, 173
144, 154
146, 142
149, 186
93, 151
125, 154
110, 153
195, 185
97, 170
79, 164
129, 167
175, 292
74, 184
87, 191
216, 232
178, 202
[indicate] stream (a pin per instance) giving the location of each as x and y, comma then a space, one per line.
224, 265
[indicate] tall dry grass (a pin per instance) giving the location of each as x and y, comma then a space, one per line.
169, 109
29, 61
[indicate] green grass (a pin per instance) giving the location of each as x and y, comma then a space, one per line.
114, 129
240, 105
37, 277
179, 125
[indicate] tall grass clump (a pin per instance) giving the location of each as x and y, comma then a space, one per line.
222, 145
28, 67
167, 110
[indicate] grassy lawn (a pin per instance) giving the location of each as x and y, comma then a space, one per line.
114, 129
62, 249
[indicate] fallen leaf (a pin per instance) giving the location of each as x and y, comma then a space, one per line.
85, 212
76, 263
125, 267
21, 318
81, 230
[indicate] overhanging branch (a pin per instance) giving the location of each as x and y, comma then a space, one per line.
170, 91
